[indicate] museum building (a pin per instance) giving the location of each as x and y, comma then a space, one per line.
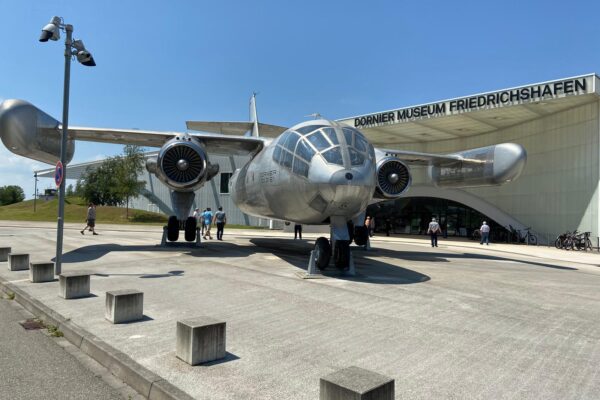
558, 123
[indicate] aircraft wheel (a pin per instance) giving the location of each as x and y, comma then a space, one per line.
341, 255
190, 229
361, 235
173, 229
323, 250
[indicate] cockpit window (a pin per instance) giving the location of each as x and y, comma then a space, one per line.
356, 158
277, 154
318, 140
360, 143
334, 156
304, 150
300, 167
308, 129
283, 137
286, 159
291, 141
330, 133
348, 136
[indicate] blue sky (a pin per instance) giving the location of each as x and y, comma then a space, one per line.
161, 63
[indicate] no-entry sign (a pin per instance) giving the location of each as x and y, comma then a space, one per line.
59, 174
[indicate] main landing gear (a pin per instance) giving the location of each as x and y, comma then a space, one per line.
189, 226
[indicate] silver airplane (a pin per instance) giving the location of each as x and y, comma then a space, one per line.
316, 172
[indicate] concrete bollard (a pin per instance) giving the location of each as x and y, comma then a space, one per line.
41, 272
200, 340
356, 383
18, 262
4, 251
74, 284
125, 305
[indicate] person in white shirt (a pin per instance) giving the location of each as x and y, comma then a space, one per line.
485, 233
433, 230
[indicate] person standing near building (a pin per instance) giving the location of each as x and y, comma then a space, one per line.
433, 230
485, 233
207, 217
298, 231
90, 220
220, 220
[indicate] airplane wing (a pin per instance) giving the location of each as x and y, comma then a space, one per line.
235, 128
416, 158
213, 143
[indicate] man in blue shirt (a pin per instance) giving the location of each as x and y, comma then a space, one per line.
207, 217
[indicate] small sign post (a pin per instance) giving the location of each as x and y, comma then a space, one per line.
58, 174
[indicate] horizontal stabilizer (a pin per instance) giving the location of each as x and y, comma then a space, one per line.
234, 128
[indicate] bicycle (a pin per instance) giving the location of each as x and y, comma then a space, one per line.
529, 238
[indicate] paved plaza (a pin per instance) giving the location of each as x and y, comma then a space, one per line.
461, 321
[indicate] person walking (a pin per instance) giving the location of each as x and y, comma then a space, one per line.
298, 231
372, 227
202, 224
207, 217
485, 233
433, 230
220, 220
91, 219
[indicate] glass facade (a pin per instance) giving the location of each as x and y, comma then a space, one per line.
412, 216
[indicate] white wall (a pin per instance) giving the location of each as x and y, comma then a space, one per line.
558, 189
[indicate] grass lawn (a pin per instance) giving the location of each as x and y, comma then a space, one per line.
76, 211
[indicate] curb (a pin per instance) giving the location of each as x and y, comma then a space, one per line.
144, 381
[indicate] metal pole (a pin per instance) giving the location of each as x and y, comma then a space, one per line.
35, 191
63, 151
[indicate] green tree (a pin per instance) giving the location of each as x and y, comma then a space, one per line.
131, 164
11, 194
100, 185
115, 181
70, 190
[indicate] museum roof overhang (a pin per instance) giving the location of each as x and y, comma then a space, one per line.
475, 114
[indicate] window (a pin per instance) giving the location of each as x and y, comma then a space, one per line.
318, 140
277, 154
334, 156
348, 136
225, 176
356, 158
308, 129
330, 132
305, 151
300, 167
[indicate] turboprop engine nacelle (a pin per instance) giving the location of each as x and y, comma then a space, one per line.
393, 178
29, 132
182, 164
496, 165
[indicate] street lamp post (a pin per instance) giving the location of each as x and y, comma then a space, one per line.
72, 48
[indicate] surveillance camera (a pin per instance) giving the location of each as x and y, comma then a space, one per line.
50, 31
85, 58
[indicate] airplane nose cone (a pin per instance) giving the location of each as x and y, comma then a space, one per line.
352, 190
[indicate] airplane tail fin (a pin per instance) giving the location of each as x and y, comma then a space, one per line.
253, 117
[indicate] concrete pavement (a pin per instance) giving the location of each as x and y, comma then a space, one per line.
35, 366
459, 321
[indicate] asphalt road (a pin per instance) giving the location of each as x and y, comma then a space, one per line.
34, 366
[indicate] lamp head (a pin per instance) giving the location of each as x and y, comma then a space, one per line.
51, 31
83, 56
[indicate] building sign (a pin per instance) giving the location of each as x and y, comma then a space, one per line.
526, 94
